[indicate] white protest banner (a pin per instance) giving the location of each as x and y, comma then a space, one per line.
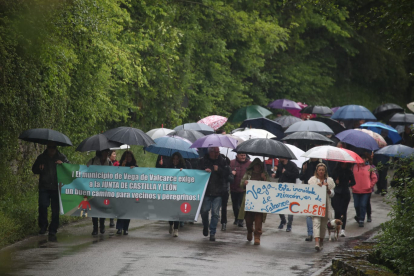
285, 198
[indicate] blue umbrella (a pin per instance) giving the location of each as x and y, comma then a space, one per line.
377, 127
397, 151
266, 124
167, 146
353, 112
358, 139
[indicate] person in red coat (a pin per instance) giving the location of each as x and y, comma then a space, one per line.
238, 168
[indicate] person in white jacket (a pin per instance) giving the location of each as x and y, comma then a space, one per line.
321, 178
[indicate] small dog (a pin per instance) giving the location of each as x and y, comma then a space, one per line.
334, 226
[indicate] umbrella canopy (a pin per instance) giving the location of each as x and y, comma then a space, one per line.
297, 112
396, 151
334, 125
334, 109
129, 136
158, 132
358, 139
231, 154
266, 124
402, 119
353, 112
386, 110
97, 142
265, 147
215, 140
252, 133
411, 106
239, 139
329, 153
203, 128
284, 104
190, 135
354, 155
44, 136
167, 146
249, 112
287, 121
378, 127
308, 137
317, 109
298, 154
213, 121
378, 138
309, 125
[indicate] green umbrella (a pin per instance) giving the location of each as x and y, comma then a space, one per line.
249, 112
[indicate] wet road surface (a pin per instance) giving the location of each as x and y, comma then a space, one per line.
150, 250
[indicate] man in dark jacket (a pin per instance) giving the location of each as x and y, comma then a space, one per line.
238, 168
45, 166
287, 172
216, 187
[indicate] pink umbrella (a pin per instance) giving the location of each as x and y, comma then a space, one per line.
214, 121
378, 138
303, 116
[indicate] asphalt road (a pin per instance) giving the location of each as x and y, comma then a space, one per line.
150, 250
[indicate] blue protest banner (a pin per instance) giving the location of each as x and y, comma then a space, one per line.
122, 192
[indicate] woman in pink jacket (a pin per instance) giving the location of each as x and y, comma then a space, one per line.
365, 179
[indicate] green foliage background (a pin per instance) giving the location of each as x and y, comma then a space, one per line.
84, 66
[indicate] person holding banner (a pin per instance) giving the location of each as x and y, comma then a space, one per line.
255, 171
100, 159
216, 187
127, 160
177, 162
287, 172
45, 167
321, 178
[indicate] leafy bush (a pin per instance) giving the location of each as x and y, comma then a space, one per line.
396, 242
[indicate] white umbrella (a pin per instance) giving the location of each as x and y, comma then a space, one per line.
158, 132
298, 153
328, 153
252, 133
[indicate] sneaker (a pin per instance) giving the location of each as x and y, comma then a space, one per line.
126, 232
119, 232
321, 244
171, 229
212, 237
175, 233
361, 224
369, 219
223, 227
281, 225
342, 233
205, 231
309, 238
95, 232
317, 247
111, 223
240, 223
289, 228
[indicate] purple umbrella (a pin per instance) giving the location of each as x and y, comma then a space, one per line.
334, 109
358, 139
284, 104
215, 140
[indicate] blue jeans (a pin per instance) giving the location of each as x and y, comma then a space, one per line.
360, 204
309, 224
213, 203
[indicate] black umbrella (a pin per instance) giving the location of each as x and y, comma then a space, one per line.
97, 142
308, 137
190, 135
265, 147
387, 110
129, 136
203, 128
334, 125
287, 121
317, 109
44, 136
402, 119
264, 123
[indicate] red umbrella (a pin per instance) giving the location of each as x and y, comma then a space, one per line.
357, 158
